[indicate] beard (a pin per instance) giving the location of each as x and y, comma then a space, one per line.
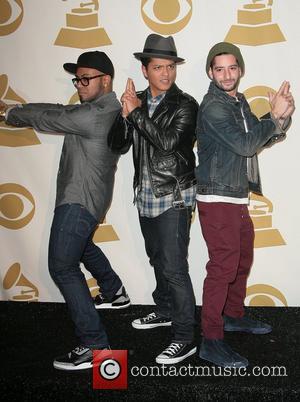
229, 87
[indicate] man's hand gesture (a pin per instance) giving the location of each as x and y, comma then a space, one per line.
282, 102
129, 99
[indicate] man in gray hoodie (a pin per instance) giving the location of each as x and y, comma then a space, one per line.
84, 191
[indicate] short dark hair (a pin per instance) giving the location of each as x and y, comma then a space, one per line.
145, 61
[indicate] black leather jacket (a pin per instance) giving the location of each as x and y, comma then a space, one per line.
163, 142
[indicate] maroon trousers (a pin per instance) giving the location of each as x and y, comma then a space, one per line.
229, 235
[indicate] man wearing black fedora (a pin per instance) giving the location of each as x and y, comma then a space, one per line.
160, 124
84, 192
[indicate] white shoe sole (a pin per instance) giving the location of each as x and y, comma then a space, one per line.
149, 326
71, 367
165, 360
110, 306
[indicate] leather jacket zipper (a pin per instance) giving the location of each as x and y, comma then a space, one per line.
182, 157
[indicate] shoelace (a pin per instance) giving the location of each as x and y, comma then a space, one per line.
149, 317
79, 349
100, 297
173, 349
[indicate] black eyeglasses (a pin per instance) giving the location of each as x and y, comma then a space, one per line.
85, 80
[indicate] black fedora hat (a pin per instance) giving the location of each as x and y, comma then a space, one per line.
160, 47
97, 60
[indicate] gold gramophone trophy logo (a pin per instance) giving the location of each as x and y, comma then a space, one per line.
82, 28
93, 287
258, 99
260, 210
105, 232
11, 16
18, 286
17, 206
12, 136
254, 25
166, 16
264, 295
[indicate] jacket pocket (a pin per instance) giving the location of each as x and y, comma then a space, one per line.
164, 163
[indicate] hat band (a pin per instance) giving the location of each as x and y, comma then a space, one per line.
164, 52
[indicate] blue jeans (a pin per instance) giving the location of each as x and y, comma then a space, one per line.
166, 241
71, 243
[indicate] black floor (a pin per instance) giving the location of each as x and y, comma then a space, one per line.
32, 334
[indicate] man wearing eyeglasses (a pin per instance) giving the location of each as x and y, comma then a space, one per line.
84, 192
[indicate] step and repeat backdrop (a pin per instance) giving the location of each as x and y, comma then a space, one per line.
38, 36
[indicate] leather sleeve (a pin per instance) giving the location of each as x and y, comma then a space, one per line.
120, 135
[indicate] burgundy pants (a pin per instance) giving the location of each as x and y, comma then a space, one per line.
229, 235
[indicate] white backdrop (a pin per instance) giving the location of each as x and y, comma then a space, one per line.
38, 36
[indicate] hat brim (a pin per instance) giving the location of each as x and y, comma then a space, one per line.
140, 56
70, 67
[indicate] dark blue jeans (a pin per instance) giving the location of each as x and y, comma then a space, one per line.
166, 241
71, 243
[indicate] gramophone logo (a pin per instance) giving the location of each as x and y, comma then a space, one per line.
18, 286
11, 15
11, 136
17, 206
254, 25
93, 287
260, 210
166, 16
258, 99
82, 28
264, 295
105, 232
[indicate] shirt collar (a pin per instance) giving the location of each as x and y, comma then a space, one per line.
155, 99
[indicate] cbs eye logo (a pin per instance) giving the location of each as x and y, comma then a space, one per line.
166, 16
265, 295
258, 99
110, 369
11, 16
17, 206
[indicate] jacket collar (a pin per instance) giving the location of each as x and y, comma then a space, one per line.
103, 98
171, 95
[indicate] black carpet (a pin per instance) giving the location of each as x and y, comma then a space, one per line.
32, 334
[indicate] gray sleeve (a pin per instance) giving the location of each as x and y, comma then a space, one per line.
85, 119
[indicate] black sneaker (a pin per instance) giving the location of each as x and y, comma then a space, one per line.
79, 359
246, 324
218, 352
151, 320
176, 352
120, 300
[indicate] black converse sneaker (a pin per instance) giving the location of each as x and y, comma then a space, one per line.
176, 352
151, 320
78, 359
120, 300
